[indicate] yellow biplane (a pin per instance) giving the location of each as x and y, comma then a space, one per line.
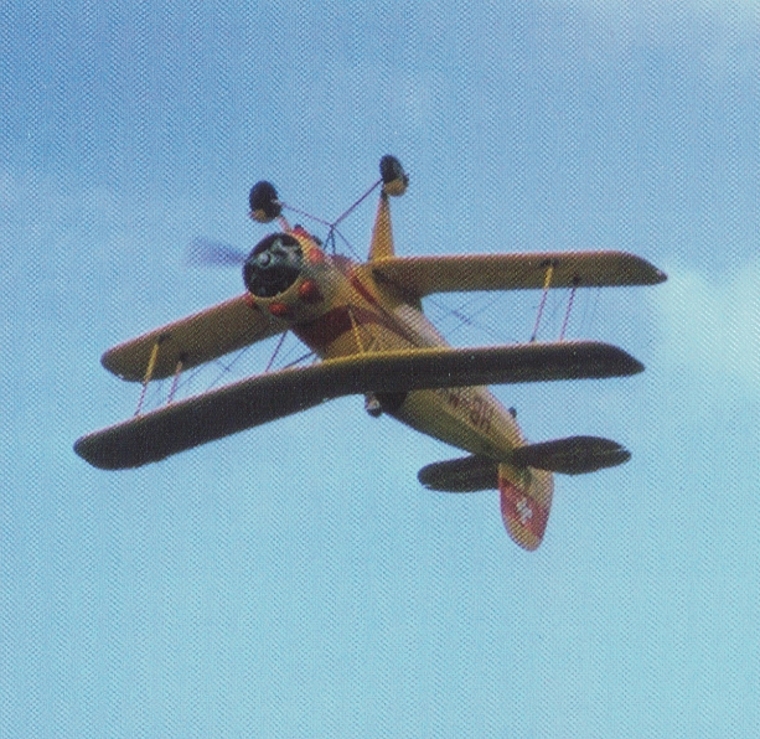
365, 322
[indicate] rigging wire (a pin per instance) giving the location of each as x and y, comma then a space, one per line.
276, 351
302, 358
227, 368
333, 226
464, 319
590, 305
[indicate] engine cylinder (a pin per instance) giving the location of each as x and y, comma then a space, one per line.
273, 266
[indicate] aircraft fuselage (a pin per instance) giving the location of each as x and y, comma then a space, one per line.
359, 316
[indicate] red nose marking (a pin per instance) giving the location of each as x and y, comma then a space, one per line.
309, 292
315, 256
279, 310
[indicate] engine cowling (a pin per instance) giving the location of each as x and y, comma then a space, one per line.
287, 276
274, 264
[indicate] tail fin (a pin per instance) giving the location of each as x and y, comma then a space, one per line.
526, 494
526, 499
526, 484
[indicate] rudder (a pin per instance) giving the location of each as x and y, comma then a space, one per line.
526, 498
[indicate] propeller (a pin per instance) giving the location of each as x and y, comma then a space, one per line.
270, 269
202, 252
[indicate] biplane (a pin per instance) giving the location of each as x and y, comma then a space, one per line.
364, 322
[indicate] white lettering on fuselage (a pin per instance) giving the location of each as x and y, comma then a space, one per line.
470, 406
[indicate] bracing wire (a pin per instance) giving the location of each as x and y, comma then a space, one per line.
465, 319
225, 251
227, 368
333, 227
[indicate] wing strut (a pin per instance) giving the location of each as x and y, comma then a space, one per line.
547, 285
151, 368
568, 310
175, 381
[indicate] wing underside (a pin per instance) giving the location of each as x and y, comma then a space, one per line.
462, 475
262, 398
419, 276
191, 341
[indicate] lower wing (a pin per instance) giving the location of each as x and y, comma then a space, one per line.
262, 398
191, 341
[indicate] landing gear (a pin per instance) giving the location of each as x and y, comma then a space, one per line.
378, 403
264, 202
372, 405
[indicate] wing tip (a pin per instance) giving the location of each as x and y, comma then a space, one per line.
106, 451
609, 360
109, 362
85, 449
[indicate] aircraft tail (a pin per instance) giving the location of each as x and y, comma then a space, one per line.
526, 494
463, 475
526, 498
575, 455
526, 483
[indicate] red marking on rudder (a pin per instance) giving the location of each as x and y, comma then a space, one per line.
524, 517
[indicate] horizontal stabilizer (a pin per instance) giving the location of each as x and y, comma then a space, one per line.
464, 475
417, 277
262, 398
572, 456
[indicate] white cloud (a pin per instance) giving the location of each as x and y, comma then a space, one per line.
710, 325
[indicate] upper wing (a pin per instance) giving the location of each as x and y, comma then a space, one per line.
420, 276
193, 340
262, 398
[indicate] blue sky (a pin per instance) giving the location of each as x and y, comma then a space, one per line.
296, 580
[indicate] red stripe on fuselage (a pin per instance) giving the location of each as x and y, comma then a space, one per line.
323, 331
346, 267
362, 290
